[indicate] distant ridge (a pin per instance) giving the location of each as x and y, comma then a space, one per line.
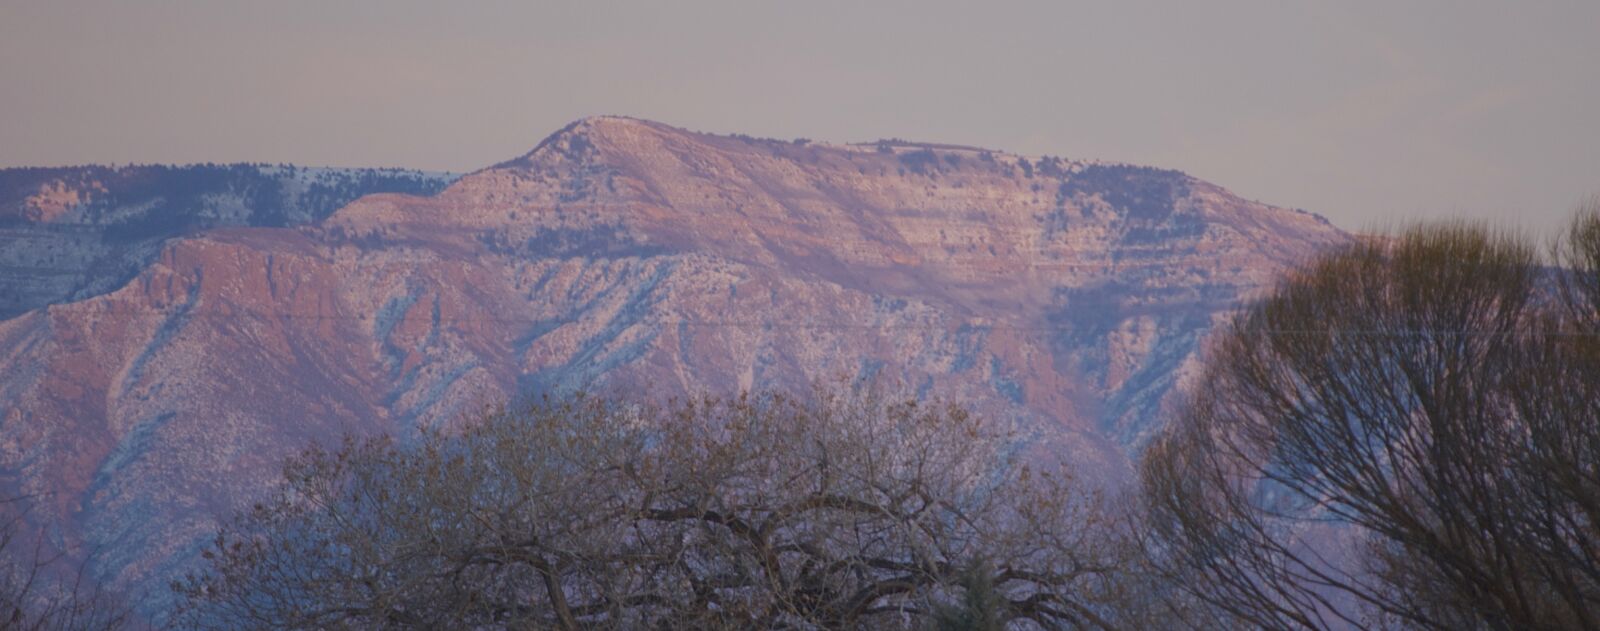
69, 233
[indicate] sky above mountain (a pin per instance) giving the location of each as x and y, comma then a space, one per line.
1368, 112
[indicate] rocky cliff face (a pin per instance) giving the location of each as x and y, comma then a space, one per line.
1066, 298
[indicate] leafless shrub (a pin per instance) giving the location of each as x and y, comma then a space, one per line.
38, 592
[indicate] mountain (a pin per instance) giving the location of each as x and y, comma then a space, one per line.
73, 232
1066, 298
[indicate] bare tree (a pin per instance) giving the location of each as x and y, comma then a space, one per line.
1404, 434
40, 591
842, 511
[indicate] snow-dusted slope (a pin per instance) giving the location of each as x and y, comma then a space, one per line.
73, 232
1065, 297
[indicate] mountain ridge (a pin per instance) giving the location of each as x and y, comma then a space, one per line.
69, 233
1066, 299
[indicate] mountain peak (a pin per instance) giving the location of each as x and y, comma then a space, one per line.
576, 137
882, 205
609, 126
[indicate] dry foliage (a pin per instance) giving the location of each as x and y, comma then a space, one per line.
752, 512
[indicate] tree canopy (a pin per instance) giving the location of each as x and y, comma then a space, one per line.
1405, 433
842, 511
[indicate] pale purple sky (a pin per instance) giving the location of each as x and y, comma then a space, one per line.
1367, 112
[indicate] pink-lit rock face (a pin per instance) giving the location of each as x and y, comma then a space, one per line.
1066, 298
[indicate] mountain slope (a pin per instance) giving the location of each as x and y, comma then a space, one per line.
74, 232
1067, 298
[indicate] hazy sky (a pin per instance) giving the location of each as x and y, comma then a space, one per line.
1367, 112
